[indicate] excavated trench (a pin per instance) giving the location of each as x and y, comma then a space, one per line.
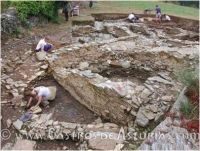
126, 80
65, 107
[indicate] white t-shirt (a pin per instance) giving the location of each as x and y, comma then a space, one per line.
167, 18
43, 91
131, 16
41, 44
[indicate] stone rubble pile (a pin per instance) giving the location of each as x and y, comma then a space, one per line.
96, 135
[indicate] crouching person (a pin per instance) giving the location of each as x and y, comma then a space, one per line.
133, 18
42, 95
43, 45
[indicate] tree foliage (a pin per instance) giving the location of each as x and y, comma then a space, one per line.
47, 9
186, 3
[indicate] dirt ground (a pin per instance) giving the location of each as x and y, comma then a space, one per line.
12, 48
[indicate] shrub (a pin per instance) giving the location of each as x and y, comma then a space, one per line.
188, 109
47, 9
190, 78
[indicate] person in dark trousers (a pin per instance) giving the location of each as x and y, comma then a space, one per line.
90, 4
158, 14
66, 11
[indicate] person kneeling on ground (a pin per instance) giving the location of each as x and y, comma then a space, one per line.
132, 18
165, 17
43, 45
42, 95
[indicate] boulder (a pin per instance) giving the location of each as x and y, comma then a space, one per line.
139, 29
9, 21
41, 55
103, 102
116, 31
99, 143
18, 124
141, 120
22, 144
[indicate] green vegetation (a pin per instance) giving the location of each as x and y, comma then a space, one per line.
186, 3
139, 6
47, 9
189, 110
188, 76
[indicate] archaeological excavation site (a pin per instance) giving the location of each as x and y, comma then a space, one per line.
118, 86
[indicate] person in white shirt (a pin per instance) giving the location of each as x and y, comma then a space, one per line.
165, 18
42, 94
132, 17
43, 45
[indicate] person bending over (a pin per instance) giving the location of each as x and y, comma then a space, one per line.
41, 95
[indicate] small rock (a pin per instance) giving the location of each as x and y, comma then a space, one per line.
50, 122
167, 98
133, 113
44, 66
8, 123
154, 108
132, 146
98, 120
68, 125
150, 115
80, 129
16, 85
23, 103
130, 129
125, 64
149, 87
41, 55
100, 125
55, 123
136, 101
18, 124
118, 147
83, 65
8, 87
145, 93
141, 120
112, 125
65, 148
159, 79
23, 132
9, 81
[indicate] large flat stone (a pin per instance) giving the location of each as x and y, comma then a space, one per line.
22, 144
101, 101
102, 144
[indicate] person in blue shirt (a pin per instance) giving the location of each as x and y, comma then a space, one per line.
158, 13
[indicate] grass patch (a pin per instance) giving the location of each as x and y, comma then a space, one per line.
189, 110
188, 76
168, 8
